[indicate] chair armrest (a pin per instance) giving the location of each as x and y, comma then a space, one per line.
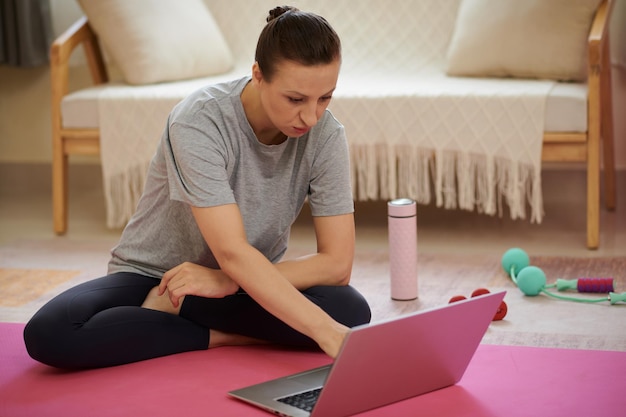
598, 34
61, 50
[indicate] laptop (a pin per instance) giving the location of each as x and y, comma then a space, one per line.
384, 362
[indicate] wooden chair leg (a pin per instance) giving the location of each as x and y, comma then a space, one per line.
59, 186
593, 199
606, 107
593, 159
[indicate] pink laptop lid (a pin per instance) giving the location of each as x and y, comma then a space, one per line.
403, 357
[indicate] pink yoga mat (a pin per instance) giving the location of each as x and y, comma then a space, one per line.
500, 381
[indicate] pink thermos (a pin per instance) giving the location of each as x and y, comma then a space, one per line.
403, 248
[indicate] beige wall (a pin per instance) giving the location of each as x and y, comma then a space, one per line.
25, 98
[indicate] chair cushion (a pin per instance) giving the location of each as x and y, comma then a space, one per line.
527, 39
566, 105
159, 40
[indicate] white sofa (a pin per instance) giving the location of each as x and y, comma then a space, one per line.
416, 129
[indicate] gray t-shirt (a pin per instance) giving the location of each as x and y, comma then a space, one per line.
209, 156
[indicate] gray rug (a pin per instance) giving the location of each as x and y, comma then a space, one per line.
531, 321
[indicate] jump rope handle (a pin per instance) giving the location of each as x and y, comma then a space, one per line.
585, 284
532, 280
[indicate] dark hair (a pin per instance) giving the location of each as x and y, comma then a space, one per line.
291, 34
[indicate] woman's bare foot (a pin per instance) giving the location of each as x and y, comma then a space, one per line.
217, 339
154, 301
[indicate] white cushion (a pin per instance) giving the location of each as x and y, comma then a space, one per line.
152, 41
566, 105
521, 38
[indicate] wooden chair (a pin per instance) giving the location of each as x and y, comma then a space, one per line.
66, 142
557, 147
586, 147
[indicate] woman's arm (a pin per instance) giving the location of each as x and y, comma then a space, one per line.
223, 230
332, 264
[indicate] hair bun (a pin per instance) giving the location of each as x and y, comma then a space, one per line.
279, 11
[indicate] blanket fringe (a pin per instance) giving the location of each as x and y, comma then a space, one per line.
123, 191
457, 180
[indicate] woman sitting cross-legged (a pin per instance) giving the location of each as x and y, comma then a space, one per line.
199, 264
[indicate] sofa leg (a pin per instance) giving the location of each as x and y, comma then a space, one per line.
593, 159
59, 188
593, 190
593, 209
606, 107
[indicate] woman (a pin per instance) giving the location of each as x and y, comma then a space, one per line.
198, 264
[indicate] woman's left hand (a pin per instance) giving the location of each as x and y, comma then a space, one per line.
193, 279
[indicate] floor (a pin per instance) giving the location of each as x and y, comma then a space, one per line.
25, 213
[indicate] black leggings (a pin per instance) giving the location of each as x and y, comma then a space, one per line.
101, 322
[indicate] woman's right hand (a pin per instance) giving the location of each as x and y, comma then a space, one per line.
332, 340
193, 279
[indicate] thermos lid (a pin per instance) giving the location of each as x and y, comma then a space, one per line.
402, 207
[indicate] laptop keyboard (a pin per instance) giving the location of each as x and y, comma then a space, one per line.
304, 400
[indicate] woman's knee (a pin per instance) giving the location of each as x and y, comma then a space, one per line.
344, 303
360, 309
45, 339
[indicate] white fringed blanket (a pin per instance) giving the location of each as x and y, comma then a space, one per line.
469, 143
466, 143
132, 120
463, 143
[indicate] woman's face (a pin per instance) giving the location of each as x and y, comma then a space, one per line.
297, 96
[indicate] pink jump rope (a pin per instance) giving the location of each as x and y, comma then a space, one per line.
532, 281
